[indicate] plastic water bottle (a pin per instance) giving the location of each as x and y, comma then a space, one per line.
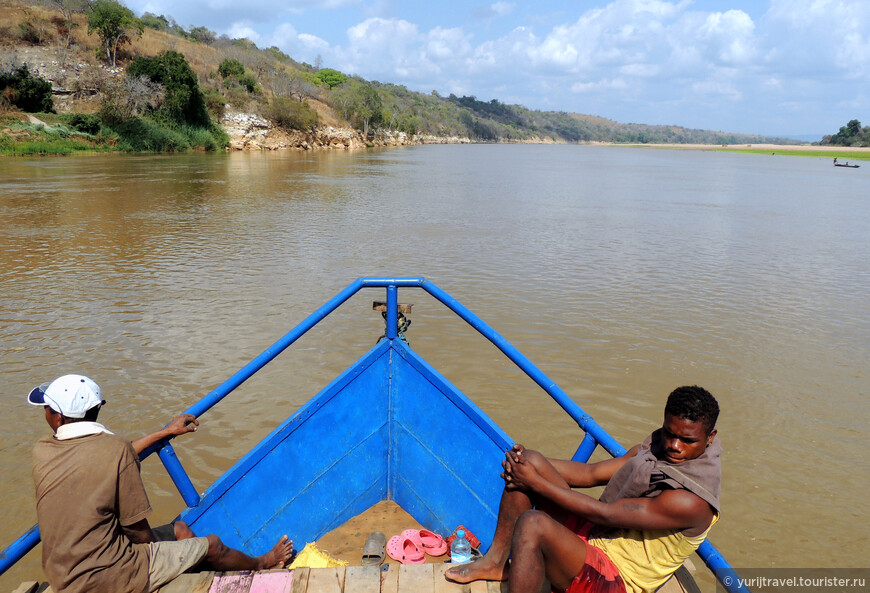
460, 549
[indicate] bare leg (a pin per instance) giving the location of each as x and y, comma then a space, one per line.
493, 566
544, 551
221, 557
182, 531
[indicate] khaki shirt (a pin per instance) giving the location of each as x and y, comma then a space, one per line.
87, 488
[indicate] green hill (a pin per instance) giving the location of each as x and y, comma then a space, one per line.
301, 99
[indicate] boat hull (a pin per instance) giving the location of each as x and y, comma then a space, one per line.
389, 428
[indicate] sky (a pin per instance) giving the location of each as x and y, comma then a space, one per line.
797, 68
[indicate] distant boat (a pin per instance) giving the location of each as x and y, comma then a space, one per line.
846, 164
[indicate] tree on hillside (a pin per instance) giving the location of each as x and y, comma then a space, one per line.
330, 77
231, 67
67, 9
292, 83
358, 102
183, 100
203, 35
113, 23
158, 22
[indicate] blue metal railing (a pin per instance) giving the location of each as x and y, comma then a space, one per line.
594, 434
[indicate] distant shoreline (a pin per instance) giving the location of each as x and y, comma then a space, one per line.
841, 152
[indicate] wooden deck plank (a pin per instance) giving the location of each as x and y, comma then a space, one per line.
326, 580
416, 578
390, 579
346, 541
239, 582
195, 582
362, 579
300, 580
442, 585
277, 581
672, 585
27, 587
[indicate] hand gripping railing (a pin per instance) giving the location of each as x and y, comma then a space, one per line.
594, 434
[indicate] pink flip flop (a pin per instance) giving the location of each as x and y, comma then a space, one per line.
405, 550
428, 541
433, 544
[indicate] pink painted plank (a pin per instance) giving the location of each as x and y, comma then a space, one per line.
272, 582
232, 583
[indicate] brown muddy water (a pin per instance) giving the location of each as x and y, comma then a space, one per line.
621, 272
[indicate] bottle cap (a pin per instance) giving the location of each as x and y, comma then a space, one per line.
460, 533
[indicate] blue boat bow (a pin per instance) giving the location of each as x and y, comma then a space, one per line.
368, 437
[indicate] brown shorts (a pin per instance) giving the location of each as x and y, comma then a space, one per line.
169, 559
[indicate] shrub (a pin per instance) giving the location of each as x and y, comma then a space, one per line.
142, 135
202, 35
26, 92
88, 123
231, 67
156, 22
215, 103
249, 83
183, 100
209, 139
115, 106
34, 33
290, 114
237, 98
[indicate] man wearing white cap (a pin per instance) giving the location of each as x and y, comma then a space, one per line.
92, 506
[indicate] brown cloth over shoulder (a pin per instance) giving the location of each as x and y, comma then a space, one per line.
645, 475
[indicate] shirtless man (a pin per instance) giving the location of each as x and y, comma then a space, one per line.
92, 506
661, 500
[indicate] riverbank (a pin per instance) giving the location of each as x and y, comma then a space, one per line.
249, 131
841, 152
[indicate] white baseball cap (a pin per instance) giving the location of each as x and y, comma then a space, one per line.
70, 395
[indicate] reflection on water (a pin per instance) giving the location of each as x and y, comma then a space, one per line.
621, 272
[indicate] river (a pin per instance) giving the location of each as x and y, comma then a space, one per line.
621, 272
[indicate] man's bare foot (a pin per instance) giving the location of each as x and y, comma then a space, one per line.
477, 570
278, 556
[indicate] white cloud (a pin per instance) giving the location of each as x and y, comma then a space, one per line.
615, 84
379, 32
731, 36
819, 37
447, 44
502, 8
383, 49
717, 87
243, 30
301, 45
312, 43
660, 61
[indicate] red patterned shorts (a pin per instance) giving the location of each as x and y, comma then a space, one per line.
599, 574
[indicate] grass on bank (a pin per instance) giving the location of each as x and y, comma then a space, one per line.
74, 133
842, 155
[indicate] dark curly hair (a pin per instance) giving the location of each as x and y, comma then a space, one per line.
695, 404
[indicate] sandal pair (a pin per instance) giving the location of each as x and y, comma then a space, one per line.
412, 546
